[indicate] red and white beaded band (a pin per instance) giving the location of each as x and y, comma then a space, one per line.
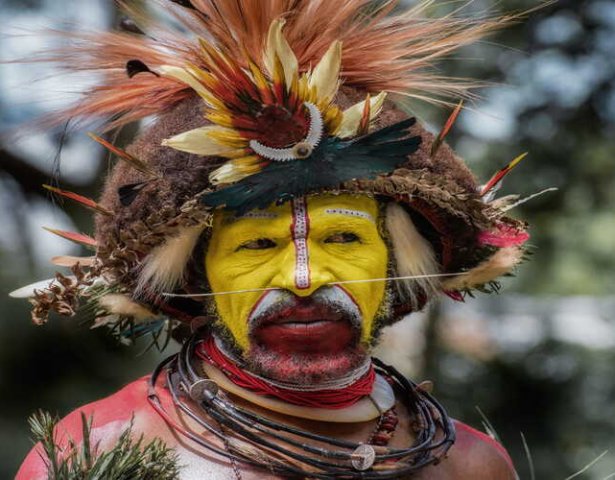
299, 231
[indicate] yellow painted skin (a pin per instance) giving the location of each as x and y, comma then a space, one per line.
258, 252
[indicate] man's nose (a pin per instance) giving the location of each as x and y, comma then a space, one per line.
300, 273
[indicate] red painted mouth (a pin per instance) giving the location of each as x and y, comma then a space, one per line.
306, 329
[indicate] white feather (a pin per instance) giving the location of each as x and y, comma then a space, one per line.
29, 290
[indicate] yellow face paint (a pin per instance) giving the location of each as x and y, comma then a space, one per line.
299, 246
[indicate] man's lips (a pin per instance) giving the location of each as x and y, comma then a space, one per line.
313, 330
302, 313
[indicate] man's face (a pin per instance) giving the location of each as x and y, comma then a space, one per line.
306, 327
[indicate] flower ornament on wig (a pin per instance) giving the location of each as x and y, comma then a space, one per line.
279, 129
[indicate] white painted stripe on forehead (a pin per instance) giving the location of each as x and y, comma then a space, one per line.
300, 229
257, 214
350, 213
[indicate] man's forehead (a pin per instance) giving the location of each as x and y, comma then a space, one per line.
360, 207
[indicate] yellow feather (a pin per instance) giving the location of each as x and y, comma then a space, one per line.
333, 118
278, 75
258, 77
229, 137
278, 47
325, 77
352, 116
184, 76
213, 55
303, 89
220, 118
209, 83
202, 141
236, 170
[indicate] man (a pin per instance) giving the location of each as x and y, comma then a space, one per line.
279, 235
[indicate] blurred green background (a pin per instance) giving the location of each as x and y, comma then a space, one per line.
537, 360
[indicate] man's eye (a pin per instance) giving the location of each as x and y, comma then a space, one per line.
344, 237
258, 244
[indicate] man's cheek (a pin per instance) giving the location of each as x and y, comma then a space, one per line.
367, 295
234, 311
370, 300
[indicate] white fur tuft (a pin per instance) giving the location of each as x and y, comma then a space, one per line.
163, 269
116, 304
500, 263
413, 255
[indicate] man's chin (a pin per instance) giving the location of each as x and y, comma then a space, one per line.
304, 367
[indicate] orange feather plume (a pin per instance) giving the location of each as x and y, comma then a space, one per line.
382, 50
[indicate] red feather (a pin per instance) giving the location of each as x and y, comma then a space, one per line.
79, 238
500, 174
455, 295
503, 236
364, 125
446, 129
134, 162
86, 202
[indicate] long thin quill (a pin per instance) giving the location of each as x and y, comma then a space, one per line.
345, 282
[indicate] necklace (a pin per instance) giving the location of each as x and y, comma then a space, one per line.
259, 442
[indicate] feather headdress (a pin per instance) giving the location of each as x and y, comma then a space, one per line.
380, 50
260, 101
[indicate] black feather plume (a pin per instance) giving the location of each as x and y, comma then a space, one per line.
134, 67
332, 163
128, 193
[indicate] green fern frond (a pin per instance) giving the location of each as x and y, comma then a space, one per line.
129, 459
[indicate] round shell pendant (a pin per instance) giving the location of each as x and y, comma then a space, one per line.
203, 390
363, 457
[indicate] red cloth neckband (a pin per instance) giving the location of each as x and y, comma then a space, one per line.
331, 399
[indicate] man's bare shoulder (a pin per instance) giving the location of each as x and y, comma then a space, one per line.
111, 416
477, 456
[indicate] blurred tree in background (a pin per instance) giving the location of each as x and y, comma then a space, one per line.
539, 358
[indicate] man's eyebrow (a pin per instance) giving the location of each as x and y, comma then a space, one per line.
350, 213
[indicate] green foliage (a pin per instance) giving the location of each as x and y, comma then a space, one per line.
128, 460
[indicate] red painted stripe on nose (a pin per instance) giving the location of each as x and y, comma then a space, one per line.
299, 230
